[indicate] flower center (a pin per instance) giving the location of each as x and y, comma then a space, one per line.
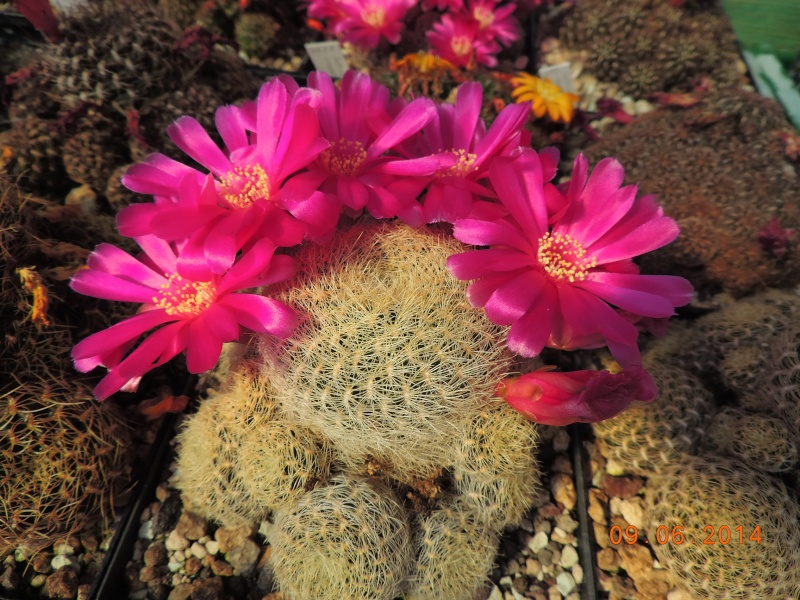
483, 15
461, 45
344, 157
185, 298
465, 164
243, 186
564, 258
374, 16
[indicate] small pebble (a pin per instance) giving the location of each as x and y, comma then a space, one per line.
538, 542
569, 557
198, 550
146, 530
212, 546
565, 583
175, 541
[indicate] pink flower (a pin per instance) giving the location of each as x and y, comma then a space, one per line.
192, 315
559, 267
264, 145
367, 21
495, 23
456, 38
356, 170
559, 399
459, 131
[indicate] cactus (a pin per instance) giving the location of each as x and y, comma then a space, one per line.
240, 459
495, 469
455, 552
647, 438
655, 47
255, 33
113, 53
705, 495
375, 397
758, 440
349, 539
94, 150
379, 367
63, 458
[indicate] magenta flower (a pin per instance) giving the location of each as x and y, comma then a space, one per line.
459, 131
192, 315
456, 38
568, 280
263, 147
367, 21
559, 399
357, 170
495, 23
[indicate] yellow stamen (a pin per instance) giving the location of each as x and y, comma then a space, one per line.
483, 15
461, 45
344, 157
374, 16
185, 298
563, 258
465, 164
245, 185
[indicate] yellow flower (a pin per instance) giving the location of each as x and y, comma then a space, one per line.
32, 283
546, 97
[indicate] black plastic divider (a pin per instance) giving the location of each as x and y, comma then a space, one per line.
582, 478
107, 586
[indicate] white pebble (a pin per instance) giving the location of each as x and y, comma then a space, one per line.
174, 566
63, 549
204, 540
212, 546
496, 594
176, 541
538, 542
565, 583
199, 550
146, 530
577, 573
179, 556
569, 557
633, 513
60, 560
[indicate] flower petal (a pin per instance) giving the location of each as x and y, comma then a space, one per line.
513, 299
528, 335
475, 264
98, 284
115, 261
203, 346
189, 135
261, 314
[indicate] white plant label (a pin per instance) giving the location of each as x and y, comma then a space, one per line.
561, 75
328, 57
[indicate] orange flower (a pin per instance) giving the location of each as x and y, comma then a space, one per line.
546, 97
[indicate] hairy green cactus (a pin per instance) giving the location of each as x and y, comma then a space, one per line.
455, 551
718, 505
378, 395
758, 440
255, 34
114, 53
649, 47
647, 438
376, 362
62, 458
495, 469
349, 539
240, 460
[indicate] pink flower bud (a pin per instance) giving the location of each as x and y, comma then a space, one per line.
553, 398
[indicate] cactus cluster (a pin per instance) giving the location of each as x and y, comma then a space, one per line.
652, 46
707, 163
725, 426
371, 435
63, 456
